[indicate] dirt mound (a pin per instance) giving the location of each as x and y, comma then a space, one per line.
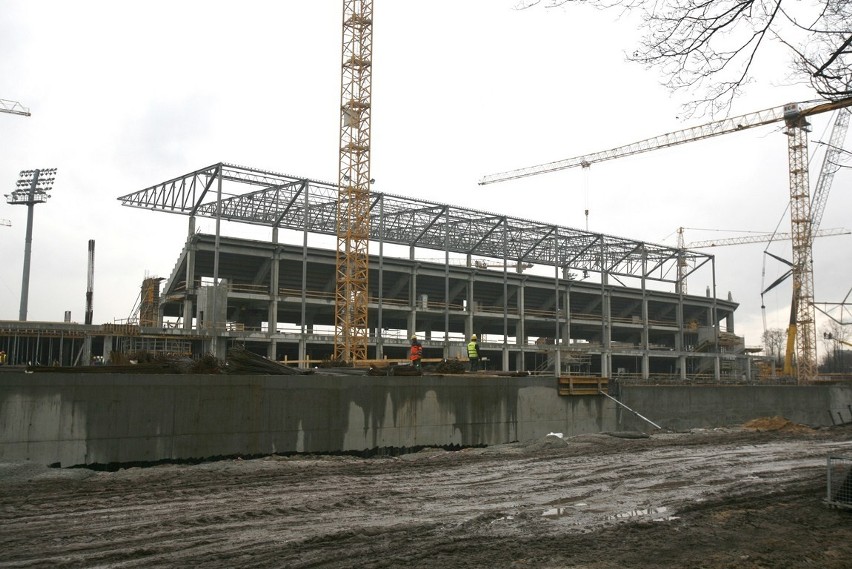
764, 424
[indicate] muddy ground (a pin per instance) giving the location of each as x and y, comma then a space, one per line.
740, 498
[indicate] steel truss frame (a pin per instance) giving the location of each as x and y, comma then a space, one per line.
281, 202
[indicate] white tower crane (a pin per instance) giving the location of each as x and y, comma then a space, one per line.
13, 107
795, 117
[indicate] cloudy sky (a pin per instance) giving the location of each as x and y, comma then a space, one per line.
125, 95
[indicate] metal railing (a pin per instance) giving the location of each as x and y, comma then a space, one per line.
839, 482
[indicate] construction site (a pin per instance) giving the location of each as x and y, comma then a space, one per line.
278, 299
379, 380
540, 297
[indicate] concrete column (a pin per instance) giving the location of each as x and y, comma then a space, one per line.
520, 328
189, 277
303, 351
412, 301
272, 317
606, 328
729, 319
646, 358
468, 325
565, 332
679, 335
107, 353
380, 339
87, 351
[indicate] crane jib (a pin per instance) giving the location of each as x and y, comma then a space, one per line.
789, 113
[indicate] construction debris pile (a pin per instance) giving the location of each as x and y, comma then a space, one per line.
239, 361
395, 370
450, 366
243, 362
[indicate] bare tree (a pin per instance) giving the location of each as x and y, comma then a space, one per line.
774, 339
835, 338
710, 48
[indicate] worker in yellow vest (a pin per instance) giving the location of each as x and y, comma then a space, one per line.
2, 358
473, 353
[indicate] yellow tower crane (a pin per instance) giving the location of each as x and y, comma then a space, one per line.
795, 117
353, 199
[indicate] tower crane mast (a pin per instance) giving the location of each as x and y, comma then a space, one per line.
795, 117
353, 199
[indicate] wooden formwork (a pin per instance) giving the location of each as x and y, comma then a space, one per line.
582, 385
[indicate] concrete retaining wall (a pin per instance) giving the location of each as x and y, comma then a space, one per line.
97, 418
705, 406
76, 419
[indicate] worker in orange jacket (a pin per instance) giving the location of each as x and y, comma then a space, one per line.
416, 353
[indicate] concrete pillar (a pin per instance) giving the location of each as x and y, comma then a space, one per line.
412, 301
468, 325
606, 328
380, 345
87, 351
729, 320
107, 352
520, 329
303, 351
190, 291
646, 359
272, 316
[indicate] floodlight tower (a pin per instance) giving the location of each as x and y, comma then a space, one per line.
31, 189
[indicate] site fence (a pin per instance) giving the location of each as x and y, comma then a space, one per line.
839, 482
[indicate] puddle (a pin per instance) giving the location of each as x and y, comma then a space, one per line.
563, 512
660, 514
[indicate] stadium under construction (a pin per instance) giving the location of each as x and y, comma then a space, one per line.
539, 296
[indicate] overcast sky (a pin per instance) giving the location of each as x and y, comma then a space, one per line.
126, 95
